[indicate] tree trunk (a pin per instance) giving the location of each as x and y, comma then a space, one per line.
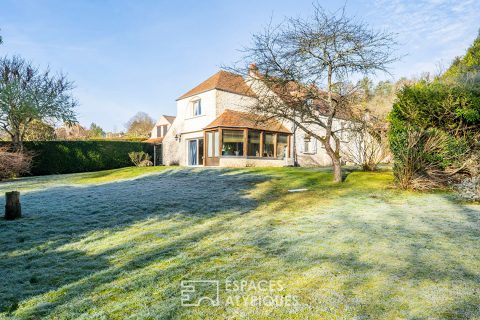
336, 163
17, 142
13, 209
337, 170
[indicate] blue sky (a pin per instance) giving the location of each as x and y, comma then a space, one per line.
129, 56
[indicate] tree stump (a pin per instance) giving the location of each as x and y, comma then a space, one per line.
13, 209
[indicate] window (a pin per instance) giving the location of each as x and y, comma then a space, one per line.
282, 143
268, 146
253, 144
162, 130
212, 146
232, 143
306, 143
197, 108
216, 150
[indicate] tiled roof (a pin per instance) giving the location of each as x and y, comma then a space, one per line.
222, 80
169, 118
154, 140
291, 92
237, 119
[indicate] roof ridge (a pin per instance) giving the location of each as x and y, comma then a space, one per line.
222, 80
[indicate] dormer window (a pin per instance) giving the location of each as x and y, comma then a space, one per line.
197, 108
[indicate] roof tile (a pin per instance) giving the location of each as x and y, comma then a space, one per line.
236, 119
222, 80
154, 140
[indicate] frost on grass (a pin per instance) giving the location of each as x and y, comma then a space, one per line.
33, 259
355, 251
469, 189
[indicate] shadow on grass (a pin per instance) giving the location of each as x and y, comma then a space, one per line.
359, 248
378, 245
33, 260
132, 272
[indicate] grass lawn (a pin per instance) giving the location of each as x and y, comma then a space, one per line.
117, 244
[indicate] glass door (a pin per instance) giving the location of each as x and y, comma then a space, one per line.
192, 153
195, 152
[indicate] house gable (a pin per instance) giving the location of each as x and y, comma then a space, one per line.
161, 127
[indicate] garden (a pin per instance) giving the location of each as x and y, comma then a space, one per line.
118, 243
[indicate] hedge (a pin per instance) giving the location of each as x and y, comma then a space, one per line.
130, 139
432, 125
56, 157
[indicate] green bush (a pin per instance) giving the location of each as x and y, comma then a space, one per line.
468, 64
452, 108
140, 159
131, 139
55, 157
433, 126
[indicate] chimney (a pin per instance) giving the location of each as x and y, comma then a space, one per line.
253, 70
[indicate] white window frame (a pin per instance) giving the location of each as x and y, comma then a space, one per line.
197, 105
309, 144
306, 145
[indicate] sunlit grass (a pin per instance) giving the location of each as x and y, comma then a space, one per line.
35, 183
117, 244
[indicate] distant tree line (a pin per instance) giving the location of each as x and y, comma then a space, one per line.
32, 102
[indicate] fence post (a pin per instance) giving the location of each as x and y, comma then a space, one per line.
13, 209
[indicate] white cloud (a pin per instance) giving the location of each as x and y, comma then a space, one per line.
428, 30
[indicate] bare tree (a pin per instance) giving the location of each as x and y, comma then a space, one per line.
39, 131
95, 131
140, 125
367, 143
71, 132
14, 163
26, 94
367, 134
306, 63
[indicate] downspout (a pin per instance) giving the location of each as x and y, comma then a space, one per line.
294, 145
154, 155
